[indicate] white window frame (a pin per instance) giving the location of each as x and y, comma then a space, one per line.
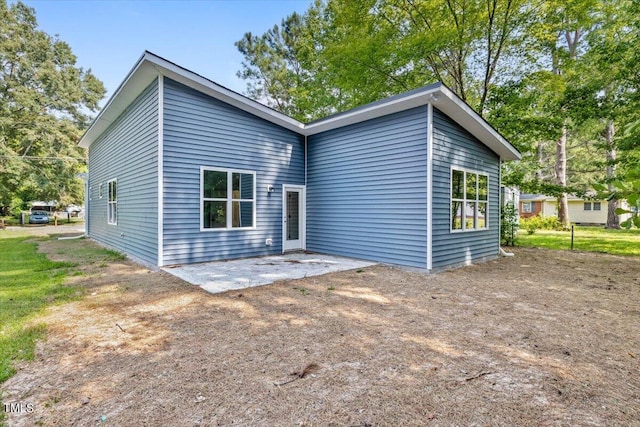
599, 206
229, 199
527, 207
586, 206
464, 201
100, 190
112, 204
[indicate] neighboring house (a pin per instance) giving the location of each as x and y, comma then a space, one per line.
182, 170
581, 211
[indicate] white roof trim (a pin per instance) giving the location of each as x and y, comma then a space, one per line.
149, 66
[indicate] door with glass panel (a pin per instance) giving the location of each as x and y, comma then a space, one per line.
293, 217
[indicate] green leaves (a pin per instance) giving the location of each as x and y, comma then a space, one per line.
45, 102
627, 189
540, 72
344, 53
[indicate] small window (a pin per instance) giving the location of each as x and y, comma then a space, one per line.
597, 206
228, 199
469, 200
526, 207
587, 206
112, 204
100, 191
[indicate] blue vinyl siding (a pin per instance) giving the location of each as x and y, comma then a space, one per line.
367, 189
202, 131
455, 147
128, 152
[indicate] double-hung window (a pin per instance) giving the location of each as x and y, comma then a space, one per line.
469, 200
228, 199
526, 207
112, 202
595, 206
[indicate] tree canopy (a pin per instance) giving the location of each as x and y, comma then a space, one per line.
558, 78
45, 103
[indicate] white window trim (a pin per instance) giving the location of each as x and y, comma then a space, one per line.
584, 207
229, 199
593, 207
100, 190
529, 207
112, 202
465, 200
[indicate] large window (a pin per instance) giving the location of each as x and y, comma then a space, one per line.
228, 199
469, 198
112, 203
526, 207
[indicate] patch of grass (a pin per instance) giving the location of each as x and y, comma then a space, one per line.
587, 239
28, 282
303, 291
115, 255
88, 253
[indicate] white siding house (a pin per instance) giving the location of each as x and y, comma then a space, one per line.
581, 211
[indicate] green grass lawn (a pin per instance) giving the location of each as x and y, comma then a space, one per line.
589, 239
28, 282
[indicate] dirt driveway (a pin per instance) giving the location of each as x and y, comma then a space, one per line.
541, 339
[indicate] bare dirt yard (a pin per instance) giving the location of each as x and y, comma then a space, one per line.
544, 338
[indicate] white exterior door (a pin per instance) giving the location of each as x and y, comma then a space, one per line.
293, 217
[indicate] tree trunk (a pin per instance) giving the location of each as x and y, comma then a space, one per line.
613, 221
561, 177
539, 174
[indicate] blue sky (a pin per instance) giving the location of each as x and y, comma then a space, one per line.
110, 36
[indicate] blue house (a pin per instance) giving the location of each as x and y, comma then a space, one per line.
183, 170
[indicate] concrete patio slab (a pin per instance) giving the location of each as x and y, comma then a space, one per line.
221, 276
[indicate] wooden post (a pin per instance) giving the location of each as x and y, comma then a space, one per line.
2, 226
572, 237
55, 220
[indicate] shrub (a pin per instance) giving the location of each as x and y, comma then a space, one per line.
539, 223
508, 224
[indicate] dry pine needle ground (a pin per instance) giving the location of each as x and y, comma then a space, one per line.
543, 338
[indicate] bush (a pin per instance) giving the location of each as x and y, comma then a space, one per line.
539, 223
508, 224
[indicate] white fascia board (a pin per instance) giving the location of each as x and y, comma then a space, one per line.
138, 78
466, 117
223, 94
440, 97
367, 113
149, 66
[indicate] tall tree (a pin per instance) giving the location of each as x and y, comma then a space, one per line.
282, 66
610, 90
45, 102
398, 45
362, 51
537, 70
